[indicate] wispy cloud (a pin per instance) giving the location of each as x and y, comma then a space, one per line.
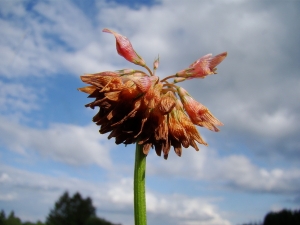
236, 172
65, 143
17, 97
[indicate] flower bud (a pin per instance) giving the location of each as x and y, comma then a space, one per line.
202, 67
125, 49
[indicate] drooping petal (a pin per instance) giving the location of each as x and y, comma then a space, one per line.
198, 113
189, 126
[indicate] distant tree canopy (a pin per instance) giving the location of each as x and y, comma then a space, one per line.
71, 210
67, 210
13, 220
74, 211
284, 217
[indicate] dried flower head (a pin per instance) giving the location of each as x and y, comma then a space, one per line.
136, 107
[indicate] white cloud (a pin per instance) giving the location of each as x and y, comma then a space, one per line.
4, 177
70, 144
17, 97
7, 197
35, 44
184, 210
115, 196
234, 171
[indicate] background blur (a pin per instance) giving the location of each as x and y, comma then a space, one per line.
48, 143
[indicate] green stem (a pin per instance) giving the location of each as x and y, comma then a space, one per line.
150, 72
166, 78
140, 215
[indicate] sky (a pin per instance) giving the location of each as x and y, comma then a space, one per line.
48, 143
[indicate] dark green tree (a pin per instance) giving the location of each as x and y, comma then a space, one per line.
252, 223
40, 223
71, 210
284, 217
98, 221
2, 217
12, 220
29, 223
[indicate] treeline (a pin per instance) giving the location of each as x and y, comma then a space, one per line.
67, 210
13, 220
284, 217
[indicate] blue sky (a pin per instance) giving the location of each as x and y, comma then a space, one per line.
48, 143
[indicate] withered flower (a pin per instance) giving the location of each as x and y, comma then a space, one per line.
136, 107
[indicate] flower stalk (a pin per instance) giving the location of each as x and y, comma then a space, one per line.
139, 190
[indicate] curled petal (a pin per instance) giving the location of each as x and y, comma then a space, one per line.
88, 89
167, 103
101, 80
143, 83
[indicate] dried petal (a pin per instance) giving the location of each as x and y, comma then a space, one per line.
88, 89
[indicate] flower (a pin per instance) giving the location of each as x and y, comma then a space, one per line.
136, 107
202, 67
125, 49
198, 113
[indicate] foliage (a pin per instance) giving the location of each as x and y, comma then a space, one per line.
256, 223
98, 221
74, 211
2, 217
283, 217
13, 220
71, 210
